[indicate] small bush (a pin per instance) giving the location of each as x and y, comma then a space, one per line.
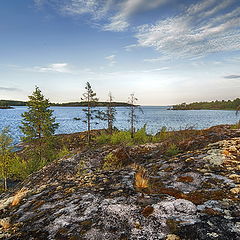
19, 168
236, 126
103, 138
172, 150
141, 136
123, 137
162, 135
63, 152
111, 162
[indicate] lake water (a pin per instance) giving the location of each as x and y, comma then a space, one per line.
154, 117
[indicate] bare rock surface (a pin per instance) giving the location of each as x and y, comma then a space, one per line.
194, 195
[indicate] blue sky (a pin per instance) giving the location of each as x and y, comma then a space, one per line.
164, 51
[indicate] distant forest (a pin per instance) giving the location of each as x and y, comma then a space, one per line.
214, 105
8, 103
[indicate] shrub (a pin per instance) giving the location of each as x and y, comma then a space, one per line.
103, 138
172, 150
111, 162
63, 152
19, 167
162, 135
141, 136
236, 126
123, 137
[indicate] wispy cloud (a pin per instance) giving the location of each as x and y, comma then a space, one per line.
110, 15
111, 60
97, 9
119, 22
152, 60
9, 89
55, 67
155, 70
199, 30
232, 77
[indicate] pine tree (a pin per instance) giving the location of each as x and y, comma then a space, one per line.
111, 113
38, 125
132, 113
90, 97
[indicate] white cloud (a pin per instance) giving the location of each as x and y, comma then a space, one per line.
96, 8
152, 60
188, 34
55, 67
111, 60
112, 15
119, 22
39, 3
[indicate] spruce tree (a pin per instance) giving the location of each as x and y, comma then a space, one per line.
90, 98
38, 126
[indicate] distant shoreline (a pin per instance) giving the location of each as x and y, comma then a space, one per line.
213, 105
68, 104
6, 107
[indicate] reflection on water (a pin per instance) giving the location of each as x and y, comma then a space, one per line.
154, 117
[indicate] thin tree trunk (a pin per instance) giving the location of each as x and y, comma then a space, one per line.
5, 183
89, 119
132, 122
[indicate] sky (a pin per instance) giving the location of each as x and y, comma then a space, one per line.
164, 51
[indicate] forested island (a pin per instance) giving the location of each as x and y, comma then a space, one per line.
4, 104
213, 105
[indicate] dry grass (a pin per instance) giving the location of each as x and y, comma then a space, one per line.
19, 196
5, 223
141, 180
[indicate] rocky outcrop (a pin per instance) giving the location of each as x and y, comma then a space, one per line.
194, 195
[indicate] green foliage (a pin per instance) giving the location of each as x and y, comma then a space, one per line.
38, 126
11, 165
19, 168
90, 114
38, 121
122, 137
63, 152
162, 135
141, 136
172, 150
5, 155
111, 162
225, 105
103, 138
236, 126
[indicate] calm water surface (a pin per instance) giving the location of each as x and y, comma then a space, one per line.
154, 117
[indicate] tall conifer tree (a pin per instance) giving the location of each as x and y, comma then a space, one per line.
38, 124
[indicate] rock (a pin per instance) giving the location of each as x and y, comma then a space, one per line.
193, 195
172, 237
235, 190
235, 178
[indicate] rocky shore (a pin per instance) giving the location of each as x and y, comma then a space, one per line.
193, 195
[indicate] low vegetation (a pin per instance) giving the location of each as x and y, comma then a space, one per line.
214, 105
